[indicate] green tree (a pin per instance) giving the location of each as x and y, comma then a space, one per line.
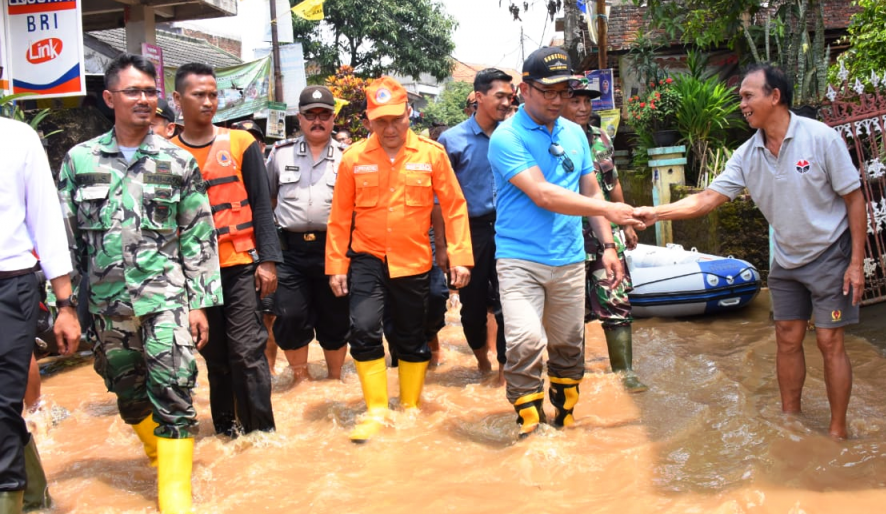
449, 106
377, 37
704, 23
867, 39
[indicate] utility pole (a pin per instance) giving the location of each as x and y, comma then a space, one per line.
570, 30
522, 50
275, 53
602, 39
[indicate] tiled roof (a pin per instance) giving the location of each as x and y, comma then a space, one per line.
177, 49
465, 72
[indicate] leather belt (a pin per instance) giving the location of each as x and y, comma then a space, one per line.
19, 272
305, 236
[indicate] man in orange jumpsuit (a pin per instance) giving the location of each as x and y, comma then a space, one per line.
378, 250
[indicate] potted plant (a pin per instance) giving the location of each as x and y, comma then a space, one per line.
655, 112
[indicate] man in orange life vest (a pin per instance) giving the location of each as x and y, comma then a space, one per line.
248, 248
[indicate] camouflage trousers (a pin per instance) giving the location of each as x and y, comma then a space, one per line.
148, 362
610, 305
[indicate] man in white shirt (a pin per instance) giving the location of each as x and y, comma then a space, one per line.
33, 222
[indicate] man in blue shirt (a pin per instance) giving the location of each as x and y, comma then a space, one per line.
467, 145
545, 182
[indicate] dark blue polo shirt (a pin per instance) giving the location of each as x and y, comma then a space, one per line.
467, 146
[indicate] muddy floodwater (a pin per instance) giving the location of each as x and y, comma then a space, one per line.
708, 437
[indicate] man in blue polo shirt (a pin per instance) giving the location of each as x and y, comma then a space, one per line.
545, 182
467, 145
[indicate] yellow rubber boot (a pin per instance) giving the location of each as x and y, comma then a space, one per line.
145, 431
412, 380
374, 381
175, 459
530, 412
564, 396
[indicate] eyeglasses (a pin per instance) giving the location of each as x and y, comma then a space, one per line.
550, 94
324, 116
558, 152
134, 92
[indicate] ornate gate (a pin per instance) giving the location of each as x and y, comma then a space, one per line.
860, 118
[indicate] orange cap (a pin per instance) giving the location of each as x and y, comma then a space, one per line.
385, 97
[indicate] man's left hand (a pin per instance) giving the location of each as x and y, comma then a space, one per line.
266, 278
199, 327
631, 238
612, 264
854, 276
460, 276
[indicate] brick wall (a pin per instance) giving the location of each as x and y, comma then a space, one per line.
626, 20
232, 46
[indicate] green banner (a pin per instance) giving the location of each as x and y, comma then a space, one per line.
242, 90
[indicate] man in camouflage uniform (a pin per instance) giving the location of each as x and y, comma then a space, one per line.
607, 299
143, 235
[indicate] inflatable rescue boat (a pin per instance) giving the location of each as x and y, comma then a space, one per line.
670, 281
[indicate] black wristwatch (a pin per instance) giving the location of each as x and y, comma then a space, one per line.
607, 246
62, 303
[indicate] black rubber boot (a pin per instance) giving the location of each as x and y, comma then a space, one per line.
530, 413
618, 341
36, 495
564, 396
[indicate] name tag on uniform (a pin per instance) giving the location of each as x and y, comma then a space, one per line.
163, 179
91, 179
366, 168
421, 167
291, 168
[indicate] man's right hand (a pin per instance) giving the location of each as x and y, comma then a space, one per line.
647, 215
67, 330
199, 327
339, 284
623, 214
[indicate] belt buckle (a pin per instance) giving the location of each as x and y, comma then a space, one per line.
310, 236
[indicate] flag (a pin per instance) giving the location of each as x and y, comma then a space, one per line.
339, 103
309, 10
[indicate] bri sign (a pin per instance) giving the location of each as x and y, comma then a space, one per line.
44, 47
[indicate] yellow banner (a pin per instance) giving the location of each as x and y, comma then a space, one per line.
309, 10
609, 121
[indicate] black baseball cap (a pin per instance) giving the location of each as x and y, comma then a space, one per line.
582, 87
251, 127
165, 111
549, 65
313, 97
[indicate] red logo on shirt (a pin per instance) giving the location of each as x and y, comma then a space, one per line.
802, 166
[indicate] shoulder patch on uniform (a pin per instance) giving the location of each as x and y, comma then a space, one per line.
285, 142
359, 144
200, 184
432, 142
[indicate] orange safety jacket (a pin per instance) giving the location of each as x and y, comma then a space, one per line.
231, 212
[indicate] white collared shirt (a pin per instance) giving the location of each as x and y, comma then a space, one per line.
29, 206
